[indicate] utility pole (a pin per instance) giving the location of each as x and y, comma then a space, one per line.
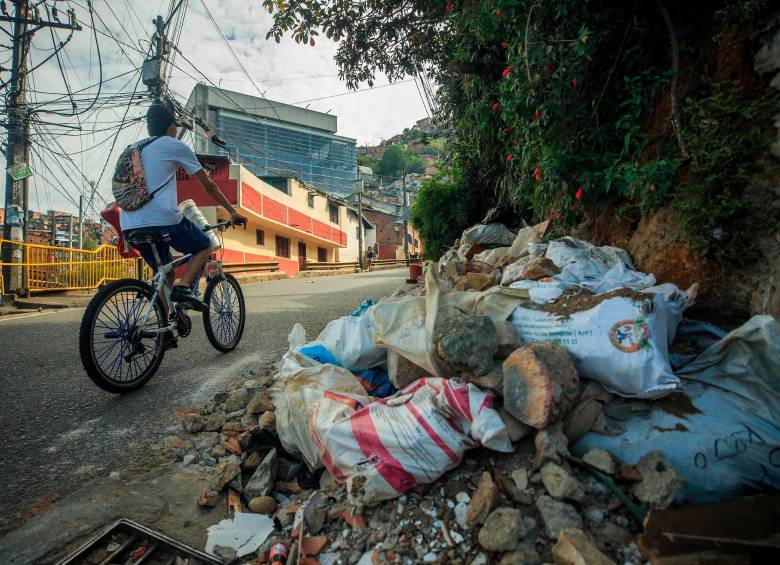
155, 68
406, 219
70, 231
81, 221
360, 219
53, 226
17, 154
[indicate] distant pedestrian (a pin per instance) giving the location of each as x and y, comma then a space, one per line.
370, 256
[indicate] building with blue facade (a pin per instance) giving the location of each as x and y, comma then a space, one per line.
276, 141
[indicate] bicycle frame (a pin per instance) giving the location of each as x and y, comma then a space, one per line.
163, 291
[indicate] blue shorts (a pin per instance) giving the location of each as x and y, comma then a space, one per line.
185, 237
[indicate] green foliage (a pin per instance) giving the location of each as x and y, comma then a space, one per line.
560, 109
368, 161
90, 243
443, 206
393, 159
723, 133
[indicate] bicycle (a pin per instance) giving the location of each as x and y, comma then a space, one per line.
124, 332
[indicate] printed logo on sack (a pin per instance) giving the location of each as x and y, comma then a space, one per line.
629, 336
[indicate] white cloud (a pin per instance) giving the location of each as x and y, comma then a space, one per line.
287, 72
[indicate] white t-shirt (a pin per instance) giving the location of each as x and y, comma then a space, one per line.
161, 159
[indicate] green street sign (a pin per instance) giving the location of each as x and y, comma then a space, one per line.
19, 171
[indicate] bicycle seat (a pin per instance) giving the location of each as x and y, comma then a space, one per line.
142, 236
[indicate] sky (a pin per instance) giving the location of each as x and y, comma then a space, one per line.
286, 72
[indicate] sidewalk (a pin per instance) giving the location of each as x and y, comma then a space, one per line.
52, 300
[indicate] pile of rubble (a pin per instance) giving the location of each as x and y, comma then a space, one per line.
520, 405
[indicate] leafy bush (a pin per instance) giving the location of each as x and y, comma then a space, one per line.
443, 206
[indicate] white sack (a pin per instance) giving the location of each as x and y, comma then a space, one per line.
390, 446
621, 343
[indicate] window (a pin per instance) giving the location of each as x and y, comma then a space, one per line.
260, 237
334, 213
310, 199
282, 247
322, 255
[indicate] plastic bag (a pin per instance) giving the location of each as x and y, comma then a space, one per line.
390, 446
375, 380
622, 342
297, 406
542, 291
488, 235
727, 442
599, 269
350, 340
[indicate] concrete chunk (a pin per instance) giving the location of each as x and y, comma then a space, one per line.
540, 384
575, 548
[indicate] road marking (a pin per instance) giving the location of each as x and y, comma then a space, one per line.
9, 317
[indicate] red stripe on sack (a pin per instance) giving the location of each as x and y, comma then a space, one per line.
457, 400
415, 386
334, 471
370, 443
487, 403
432, 433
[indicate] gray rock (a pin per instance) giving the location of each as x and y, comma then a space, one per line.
551, 444
215, 422
557, 516
264, 478
221, 397
466, 343
237, 400
507, 337
660, 482
503, 530
192, 423
526, 555
209, 462
237, 414
560, 484
517, 430
205, 440
226, 553
520, 477
600, 459
189, 459
248, 421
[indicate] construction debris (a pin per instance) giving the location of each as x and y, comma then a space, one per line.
515, 408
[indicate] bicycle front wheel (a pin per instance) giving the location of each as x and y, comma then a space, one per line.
226, 314
119, 354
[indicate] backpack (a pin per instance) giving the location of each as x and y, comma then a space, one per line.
128, 184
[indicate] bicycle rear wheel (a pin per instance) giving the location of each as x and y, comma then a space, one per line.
226, 314
117, 354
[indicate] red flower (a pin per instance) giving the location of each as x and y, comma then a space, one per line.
448, 7
507, 70
538, 115
579, 194
574, 82
651, 188
538, 173
504, 44
496, 106
507, 130
499, 14
509, 157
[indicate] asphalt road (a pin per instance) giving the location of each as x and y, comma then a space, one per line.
59, 431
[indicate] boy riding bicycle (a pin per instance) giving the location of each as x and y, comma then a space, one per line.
161, 156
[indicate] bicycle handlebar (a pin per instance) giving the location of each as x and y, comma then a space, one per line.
218, 225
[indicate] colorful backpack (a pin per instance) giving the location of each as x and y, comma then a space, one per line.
129, 181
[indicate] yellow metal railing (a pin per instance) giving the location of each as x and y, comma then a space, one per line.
48, 268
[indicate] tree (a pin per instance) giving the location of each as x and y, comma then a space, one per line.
445, 204
368, 161
392, 162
